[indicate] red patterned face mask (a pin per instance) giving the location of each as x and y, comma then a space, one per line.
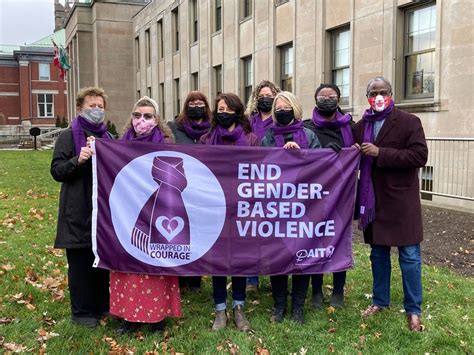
379, 102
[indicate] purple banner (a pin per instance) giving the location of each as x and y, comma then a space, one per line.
222, 210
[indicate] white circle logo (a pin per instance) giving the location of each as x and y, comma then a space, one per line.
203, 206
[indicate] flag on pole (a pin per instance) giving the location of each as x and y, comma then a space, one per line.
61, 59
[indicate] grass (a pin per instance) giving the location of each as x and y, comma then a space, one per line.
34, 303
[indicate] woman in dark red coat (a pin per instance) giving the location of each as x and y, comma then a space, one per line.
394, 148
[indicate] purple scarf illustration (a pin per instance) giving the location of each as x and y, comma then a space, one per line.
163, 219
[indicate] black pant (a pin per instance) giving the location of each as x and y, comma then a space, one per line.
88, 286
190, 282
300, 284
338, 281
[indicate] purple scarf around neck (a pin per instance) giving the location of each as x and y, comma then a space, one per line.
78, 125
155, 136
366, 187
220, 135
341, 121
259, 127
296, 128
195, 130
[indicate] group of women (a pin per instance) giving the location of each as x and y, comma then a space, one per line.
272, 118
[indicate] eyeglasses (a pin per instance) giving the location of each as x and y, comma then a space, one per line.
286, 109
376, 93
147, 116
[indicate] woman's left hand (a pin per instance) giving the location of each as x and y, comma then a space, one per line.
291, 145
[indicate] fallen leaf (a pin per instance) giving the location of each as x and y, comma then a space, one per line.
332, 330
16, 348
330, 310
8, 267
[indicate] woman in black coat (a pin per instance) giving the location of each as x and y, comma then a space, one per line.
334, 130
71, 165
187, 128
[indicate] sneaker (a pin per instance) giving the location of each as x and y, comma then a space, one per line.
297, 315
220, 322
337, 300
127, 327
317, 301
240, 320
278, 314
89, 322
158, 327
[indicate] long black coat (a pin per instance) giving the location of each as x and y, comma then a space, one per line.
75, 199
403, 151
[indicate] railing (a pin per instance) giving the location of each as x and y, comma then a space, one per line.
51, 134
449, 171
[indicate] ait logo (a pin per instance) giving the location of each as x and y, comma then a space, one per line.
160, 203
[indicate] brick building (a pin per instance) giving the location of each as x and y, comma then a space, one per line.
31, 91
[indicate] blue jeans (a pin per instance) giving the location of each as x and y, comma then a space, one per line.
219, 291
409, 258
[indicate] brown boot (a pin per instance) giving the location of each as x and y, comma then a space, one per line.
240, 320
221, 320
414, 323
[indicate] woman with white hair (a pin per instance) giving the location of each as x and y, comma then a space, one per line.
288, 132
138, 298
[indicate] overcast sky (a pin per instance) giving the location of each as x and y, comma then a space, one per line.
25, 21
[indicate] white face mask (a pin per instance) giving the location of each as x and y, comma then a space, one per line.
94, 115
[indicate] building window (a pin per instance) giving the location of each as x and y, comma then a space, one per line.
137, 51
159, 33
175, 24
147, 47
44, 73
45, 105
420, 38
247, 78
340, 60
245, 8
194, 21
138, 95
162, 99
148, 92
218, 15
195, 81
280, 2
286, 67
426, 183
217, 80
177, 100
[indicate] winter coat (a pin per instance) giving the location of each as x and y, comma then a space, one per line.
402, 151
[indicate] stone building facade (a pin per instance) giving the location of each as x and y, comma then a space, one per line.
170, 47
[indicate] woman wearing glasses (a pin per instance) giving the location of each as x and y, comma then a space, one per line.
138, 298
334, 130
190, 125
229, 127
288, 132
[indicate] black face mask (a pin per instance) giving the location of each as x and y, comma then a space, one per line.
327, 107
264, 104
226, 119
195, 113
284, 117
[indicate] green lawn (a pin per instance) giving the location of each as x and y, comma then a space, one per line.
34, 301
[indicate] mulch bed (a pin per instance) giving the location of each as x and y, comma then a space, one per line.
448, 239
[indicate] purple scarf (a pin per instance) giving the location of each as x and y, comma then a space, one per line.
219, 135
195, 130
78, 125
296, 129
341, 121
259, 127
366, 187
155, 136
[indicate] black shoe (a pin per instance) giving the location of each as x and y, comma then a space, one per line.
127, 327
89, 322
337, 300
278, 314
297, 315
158, 327
317, 301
